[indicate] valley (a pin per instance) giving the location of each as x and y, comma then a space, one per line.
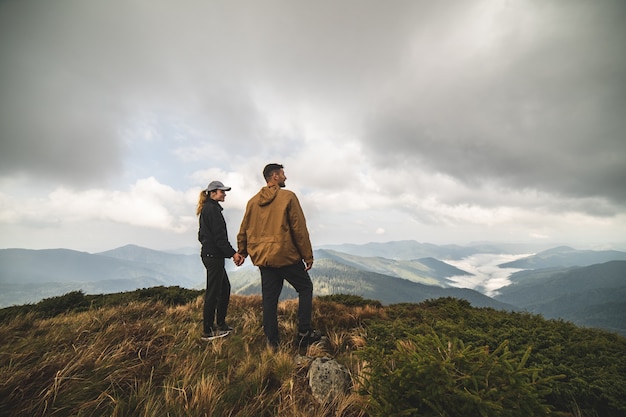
585, 287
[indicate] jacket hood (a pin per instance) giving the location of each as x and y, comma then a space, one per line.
268, 194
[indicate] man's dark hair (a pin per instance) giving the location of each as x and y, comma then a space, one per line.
269, 170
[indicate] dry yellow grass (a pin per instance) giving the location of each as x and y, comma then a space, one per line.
147, 359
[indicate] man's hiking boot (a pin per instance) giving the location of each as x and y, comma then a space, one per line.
308, 338
214, 334
224, 327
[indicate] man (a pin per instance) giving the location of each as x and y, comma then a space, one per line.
273, 232
213, 236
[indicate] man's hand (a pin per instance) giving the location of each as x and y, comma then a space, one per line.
308, 266
238, 259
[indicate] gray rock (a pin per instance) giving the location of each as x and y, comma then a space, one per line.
328, 380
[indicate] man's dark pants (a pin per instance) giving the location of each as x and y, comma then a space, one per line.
217, 294
271, 286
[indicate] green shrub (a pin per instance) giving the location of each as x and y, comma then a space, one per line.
427, 377
72, 301
350, 300
169, 295
591, 361
76, 301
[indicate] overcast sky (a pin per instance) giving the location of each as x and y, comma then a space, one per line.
441, 122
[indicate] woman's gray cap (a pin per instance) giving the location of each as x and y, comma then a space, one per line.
217, 185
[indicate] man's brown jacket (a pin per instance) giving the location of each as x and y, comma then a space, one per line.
273, 230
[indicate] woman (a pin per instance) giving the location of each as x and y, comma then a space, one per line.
213, 236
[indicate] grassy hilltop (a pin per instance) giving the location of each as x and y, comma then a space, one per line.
139, 354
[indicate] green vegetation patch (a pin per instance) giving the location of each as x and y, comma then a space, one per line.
77, 301
573, 370
139, 353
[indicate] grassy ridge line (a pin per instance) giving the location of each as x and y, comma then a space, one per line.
76, 301
146, 358
139, 354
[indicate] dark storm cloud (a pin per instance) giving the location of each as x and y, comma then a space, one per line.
76, 76
543, 109
528, 94
412, 118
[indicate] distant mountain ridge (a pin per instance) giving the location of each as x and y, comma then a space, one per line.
37, 266
27, 276
564, 256
333, 277
411, 249
590, 295
405, 249
427, 271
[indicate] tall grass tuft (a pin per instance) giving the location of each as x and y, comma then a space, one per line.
146, 358
132, 355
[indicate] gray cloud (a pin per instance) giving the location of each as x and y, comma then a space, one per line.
77, 75
528, 95
542, 112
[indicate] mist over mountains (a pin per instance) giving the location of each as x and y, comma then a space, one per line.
585, 287
333, 277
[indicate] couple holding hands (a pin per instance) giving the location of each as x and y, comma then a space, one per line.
273, 233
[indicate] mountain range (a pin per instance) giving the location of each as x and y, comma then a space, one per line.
592, 296
410, 249
585, 287
564, 256
333, 277
27, 276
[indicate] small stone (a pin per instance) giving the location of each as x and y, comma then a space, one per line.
328, 380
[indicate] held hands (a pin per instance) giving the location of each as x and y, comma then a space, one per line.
238, 259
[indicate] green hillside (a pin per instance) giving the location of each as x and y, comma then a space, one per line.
28, 276
588, 296
335, 277
139, 354
428, 271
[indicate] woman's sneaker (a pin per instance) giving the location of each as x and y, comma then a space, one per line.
308, 338
214, 334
